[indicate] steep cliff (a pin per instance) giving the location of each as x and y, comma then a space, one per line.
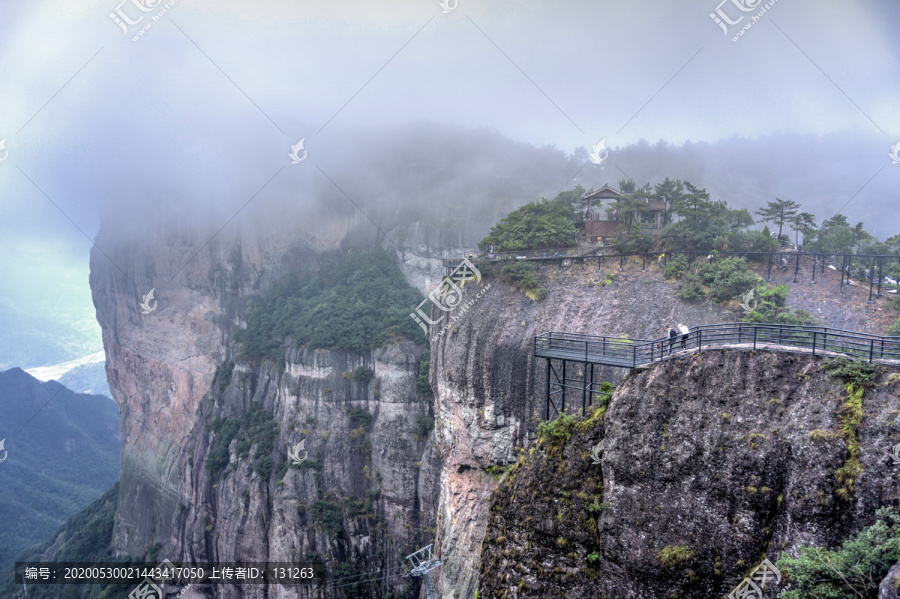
367, 493
489, 388
487, 383
710, 463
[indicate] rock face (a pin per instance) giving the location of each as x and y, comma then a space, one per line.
710, 463
488, 387
489, 390
889, 586
367, 493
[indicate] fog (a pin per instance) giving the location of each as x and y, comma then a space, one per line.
406, 110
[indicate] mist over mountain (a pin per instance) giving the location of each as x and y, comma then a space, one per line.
848, 172
382, 179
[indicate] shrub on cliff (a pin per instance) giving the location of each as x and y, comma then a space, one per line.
538, 225
357, 302
771, 308
854, 570
253, 428
520, 274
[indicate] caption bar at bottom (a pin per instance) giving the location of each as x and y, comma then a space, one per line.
168, 573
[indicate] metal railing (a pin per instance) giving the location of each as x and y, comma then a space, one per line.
631, 353
873, 265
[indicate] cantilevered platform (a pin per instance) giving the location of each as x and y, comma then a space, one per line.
587, 351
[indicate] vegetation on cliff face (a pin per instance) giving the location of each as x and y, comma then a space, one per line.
709, 463
573, 498
895, 327
357, 302
519, 274
730, 279
854, 570
538, 225
858, 377
253, 428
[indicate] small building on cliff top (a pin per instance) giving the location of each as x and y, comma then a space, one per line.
602, 215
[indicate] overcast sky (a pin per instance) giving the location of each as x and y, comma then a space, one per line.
209, 100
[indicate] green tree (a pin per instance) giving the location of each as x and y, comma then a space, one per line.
357, 302
539, 225
854, 570
779, 212
803, 222
835, 235
630, 209
669, 192
706, 225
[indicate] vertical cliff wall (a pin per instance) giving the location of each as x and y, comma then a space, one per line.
729, 456
367, 493
488, 392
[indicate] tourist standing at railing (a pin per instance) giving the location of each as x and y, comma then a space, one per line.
684, 334
662, 257
671, 334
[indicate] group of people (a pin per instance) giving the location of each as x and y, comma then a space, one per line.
672, 335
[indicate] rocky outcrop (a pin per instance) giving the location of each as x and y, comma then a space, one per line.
888, 589
488, 386
366, 495
710, 463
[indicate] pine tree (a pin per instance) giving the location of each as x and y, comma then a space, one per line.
779, 212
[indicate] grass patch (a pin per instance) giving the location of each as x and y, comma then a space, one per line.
671, 555
520, 274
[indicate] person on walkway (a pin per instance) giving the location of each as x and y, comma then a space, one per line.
662, 257
710, 258
684, 334
671, 334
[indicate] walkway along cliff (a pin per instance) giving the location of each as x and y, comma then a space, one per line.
490, 392
374, 487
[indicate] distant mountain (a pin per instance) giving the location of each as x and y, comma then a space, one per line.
62, 452
85, 537
90, 380
87, 378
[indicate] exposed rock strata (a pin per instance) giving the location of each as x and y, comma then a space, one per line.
725, 453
